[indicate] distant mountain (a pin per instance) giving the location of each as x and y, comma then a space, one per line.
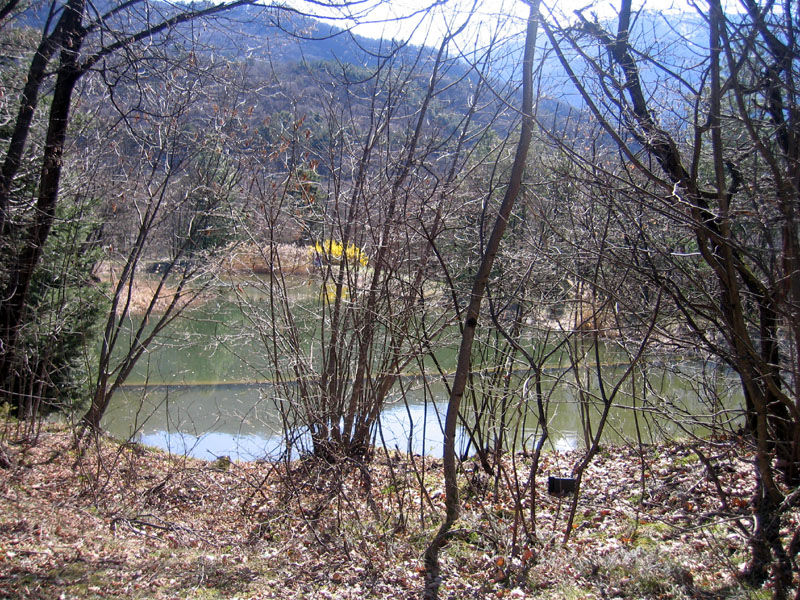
294, 60
291, 37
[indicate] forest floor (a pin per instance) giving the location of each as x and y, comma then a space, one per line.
124, 521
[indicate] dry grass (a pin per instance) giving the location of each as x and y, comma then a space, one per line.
241, 260
123, 521
289, 259
137, 297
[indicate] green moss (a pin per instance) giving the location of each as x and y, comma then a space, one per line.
203, 593
70, 572
654, 526
647, 534
689, 459
642, 541
83, 591
570, 592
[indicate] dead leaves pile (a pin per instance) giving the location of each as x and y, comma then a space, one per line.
122, 521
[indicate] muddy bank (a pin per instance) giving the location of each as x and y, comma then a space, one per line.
149, 290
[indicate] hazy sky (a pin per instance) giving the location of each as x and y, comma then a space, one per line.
401, 19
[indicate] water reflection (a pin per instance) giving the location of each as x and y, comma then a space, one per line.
244, 421
205, 392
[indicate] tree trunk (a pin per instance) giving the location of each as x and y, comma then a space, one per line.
23, 263
470, 323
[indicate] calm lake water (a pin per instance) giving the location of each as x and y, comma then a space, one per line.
205, 392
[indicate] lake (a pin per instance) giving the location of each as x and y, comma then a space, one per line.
205, 391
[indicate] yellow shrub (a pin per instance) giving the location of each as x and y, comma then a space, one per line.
332, 252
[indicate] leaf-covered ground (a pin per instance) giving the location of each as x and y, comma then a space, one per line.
122, 521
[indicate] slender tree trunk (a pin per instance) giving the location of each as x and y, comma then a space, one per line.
470, 324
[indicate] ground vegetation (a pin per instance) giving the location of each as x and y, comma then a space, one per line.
125, 521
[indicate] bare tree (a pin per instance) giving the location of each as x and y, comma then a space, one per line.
375, 252
76, 38
172, 193
719, 160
